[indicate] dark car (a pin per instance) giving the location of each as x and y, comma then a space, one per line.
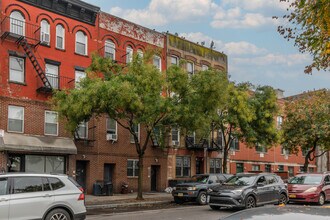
195, 189
310, 187
282, 213
248, 191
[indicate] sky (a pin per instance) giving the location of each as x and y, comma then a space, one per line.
242, 29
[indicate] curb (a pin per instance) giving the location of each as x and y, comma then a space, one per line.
124, 205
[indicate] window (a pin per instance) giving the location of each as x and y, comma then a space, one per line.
79, 75
3, 186
81, 43
219, 140
136, 129
16, 69
174, 60
51, 123
175, 137
291, 171
140, 53
157, 62
239, 167
190, 68
311, 169
234, 145
45, 32
268, 168
129, 54
132, 168
280, 168
301, 169
60, 37
82, 130
304, 152
44, 164
284, 151
215, 165
15, 119
112, 128
52, 75
17, 23
27, 184
55, 183
271, 180
279, 121
191, 138
205, 67
110, 49
261, 149
182, 166
255, 167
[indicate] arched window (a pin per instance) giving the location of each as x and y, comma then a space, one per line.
45, 32
110, 49
17, 23
129, 54
81, 43
60, 37
140, 53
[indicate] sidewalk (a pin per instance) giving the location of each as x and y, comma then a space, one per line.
127, 200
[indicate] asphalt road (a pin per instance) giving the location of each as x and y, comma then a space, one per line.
182, 213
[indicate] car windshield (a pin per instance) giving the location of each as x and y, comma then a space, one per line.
306, 180
200, 179
241, 180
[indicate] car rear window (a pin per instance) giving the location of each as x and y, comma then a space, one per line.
306, 180
27, 184
55, 183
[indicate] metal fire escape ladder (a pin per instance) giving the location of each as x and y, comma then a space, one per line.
29, 52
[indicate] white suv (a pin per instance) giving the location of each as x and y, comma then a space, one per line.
40, 196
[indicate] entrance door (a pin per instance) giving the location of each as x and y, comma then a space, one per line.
199, 165
81, 167
154, 174
108, 172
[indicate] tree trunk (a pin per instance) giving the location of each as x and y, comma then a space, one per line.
140, 178
224, 161
306, 162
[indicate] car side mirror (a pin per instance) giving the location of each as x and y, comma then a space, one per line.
210, 181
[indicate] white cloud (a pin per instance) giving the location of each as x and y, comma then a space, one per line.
252, 5
275, 59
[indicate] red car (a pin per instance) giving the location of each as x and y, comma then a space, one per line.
310, 187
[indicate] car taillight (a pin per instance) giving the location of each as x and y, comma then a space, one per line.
82, 195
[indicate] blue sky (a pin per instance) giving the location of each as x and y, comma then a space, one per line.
243, 29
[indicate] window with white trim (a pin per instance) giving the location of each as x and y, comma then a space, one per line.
81, 43
157, 62
60, 37
129, 54
15, 119
205, 67
132, 168
182, 168
234, 144
175, 137
215, 165
284, 151
45, 32
79, 75
190, 68
279, 121
51, 123
110, 49
136, 129
261, 148
255, 167
52, 75
140, 53
82, 130
16, 69
174, 60
17, 23
111, 129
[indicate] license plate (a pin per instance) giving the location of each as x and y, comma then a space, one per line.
292, 196
208, 199
180, 194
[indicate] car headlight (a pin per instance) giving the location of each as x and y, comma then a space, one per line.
191, 188
174, 188
209, 190
238, 191
312, 189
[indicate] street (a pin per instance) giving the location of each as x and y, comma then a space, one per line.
181, 213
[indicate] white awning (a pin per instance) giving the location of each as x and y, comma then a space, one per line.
37, 144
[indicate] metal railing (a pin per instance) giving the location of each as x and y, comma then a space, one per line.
57, 83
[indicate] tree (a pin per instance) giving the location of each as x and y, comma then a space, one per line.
307, 125
134, 95
247, 116
309, 26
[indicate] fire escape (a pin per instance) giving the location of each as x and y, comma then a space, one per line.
27, 36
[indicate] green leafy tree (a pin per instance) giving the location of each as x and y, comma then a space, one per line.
307, 125
308, 24
247, 116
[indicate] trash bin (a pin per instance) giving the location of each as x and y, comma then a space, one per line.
97, 189
108, 187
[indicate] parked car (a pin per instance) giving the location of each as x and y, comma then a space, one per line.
195, 189
280, 212
247, 191
40, 196
310, 187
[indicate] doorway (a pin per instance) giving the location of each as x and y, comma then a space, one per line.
81, 168
108, 172
154, 174
199, 165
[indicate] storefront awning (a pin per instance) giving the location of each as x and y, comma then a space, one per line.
37, 144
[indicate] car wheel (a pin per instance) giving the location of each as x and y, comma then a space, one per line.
321, 199
58, 214
283, 199
214, 207
178, 200
250, 202
202, 198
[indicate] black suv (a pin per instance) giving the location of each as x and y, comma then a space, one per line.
248, 191
195, 189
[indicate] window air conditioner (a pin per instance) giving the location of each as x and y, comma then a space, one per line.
111, 137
